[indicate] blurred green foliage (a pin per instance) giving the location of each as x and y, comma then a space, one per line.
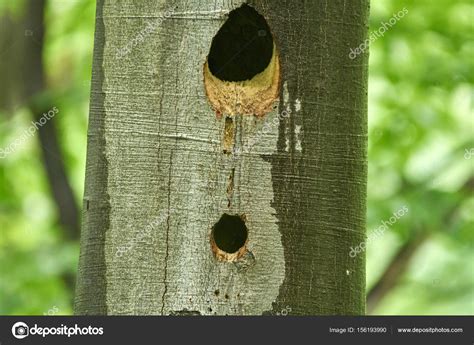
33, 255
420, 131
420, 126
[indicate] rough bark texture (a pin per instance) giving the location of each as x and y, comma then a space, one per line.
157, 178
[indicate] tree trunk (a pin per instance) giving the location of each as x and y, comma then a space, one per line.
188, 211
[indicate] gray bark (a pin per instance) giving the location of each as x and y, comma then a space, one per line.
157, 179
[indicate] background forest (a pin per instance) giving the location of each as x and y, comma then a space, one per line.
421, 156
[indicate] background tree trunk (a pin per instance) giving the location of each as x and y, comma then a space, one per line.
24, 84
157, 180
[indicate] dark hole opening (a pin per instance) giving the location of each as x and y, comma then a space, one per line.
229, 233
243, 46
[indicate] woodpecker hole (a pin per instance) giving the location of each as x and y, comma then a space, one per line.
242, 71
229, 237
243, 46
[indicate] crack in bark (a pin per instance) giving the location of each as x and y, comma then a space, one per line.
167, 235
